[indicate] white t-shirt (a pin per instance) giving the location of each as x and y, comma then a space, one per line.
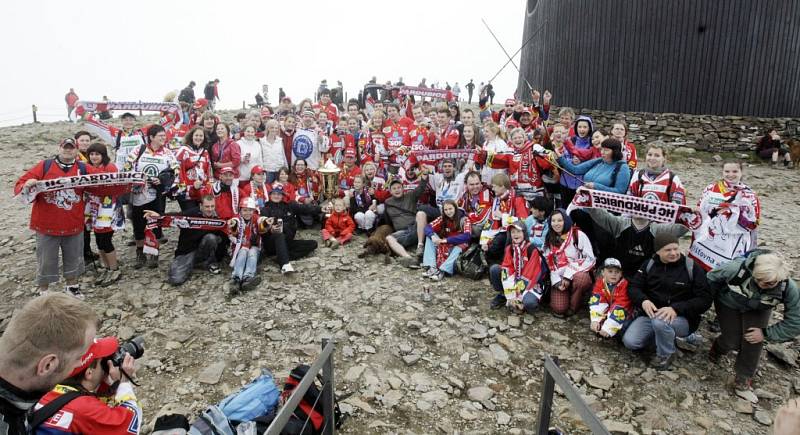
253, 148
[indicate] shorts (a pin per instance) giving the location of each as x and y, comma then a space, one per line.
407, 237
47, 250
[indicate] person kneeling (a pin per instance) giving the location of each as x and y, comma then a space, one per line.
339, 226
518, 280
245, 234
672, 292
610, 308
98, 407
445, 238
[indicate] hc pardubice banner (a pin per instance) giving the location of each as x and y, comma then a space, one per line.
182, 222
75, 181
656, 211
426, 92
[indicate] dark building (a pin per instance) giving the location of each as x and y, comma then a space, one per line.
722, 57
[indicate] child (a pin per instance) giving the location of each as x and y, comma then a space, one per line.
257, 188
518, 280
610, 310
445, 238
541, 207
339, 226
363, 206
245, 234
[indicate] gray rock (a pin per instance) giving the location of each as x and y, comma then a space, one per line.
211, 374
411, 359
503, 419
762, 417
480, 393
619, 428
276, 335
783, 353
423, 405
437, 397
355, 328
391, 398
743, 406
514, 321
353, 373
601, 382
498, 353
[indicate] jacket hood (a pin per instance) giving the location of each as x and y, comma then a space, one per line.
587, 119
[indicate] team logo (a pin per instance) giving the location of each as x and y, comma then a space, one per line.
150, 170
302, 147
63, 199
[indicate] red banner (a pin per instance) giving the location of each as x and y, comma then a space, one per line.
427, 92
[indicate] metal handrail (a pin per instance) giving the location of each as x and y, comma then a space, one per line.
324, 362
552, 376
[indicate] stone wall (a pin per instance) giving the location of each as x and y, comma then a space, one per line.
700, 132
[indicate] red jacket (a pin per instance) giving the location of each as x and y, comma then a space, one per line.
340, 224
509, 204
61, 212
226, 151
90, 415
223, 199
524, 166
478, 207
448, 139
287, 138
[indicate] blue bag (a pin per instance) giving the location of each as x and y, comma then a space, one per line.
256, 399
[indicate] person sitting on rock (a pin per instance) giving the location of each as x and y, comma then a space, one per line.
670, 294
476, 202
746, 290
363, 205
202, 249
245, 235
339, 226
570, 260
225, 193
506, 204
541, 208
610, 309
280, 239
400, 210
445, 238
519, 279
769, 147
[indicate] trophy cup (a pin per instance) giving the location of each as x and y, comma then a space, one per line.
329, 187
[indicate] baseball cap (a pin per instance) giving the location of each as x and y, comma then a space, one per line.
518, 224
226, 170
257, 170
99, 349
248, 202
612, 262
68, 142
201, 102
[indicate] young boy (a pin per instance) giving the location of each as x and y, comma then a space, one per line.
541, 207
339, 226
610, 309
245, 234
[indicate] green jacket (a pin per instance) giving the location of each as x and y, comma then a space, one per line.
734, 287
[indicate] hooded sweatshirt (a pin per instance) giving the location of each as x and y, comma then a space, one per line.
580, 147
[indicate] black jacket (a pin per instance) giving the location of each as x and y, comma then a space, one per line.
189, 240
288, 212
668, 285
14, 405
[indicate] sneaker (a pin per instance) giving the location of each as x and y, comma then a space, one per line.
251, 282
101, 276
497, 302
690, 343
213, 268
743, 387
112, 276
437, 276
662, 363
429, 272
74, 290
141, 260
420, 251
409, 262
152, 261
236, 286
287, 268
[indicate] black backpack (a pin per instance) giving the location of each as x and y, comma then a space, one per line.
309, 408
472, 262
49, 163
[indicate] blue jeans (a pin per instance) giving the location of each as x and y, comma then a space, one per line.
529, 301
429, 258
644, 331
245, 265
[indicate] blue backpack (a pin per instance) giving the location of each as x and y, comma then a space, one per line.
256, 399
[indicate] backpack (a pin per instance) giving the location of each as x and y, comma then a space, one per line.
212, 421
689, 267
472, 263
309, 408
256, 399
48, 163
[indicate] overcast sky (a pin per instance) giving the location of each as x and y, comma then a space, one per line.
142, 50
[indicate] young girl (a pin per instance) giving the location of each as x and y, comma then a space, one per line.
731, 212
363, 206
104, 216
195, 163
619, 130
655, 181
245, 235
519, 280
257, 188
610, 310
445, 238
494, 144
339, 226
570, 259
290, 188
541, 207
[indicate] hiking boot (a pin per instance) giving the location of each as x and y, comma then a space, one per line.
213, 268
714, 353
236, 287
152, 261
743, 387
287, 268
409, 262
690, 343
662, 363
75, 291
112, 276
497, 302
250, 282
101, 276
141, 260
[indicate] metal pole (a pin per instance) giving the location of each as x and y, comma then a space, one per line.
34, 108
327, 391
140, 105
545, 402
507, 55
517, 52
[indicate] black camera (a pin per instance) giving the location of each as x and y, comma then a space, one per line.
134, 347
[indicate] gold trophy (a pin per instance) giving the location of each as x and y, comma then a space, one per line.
329, 187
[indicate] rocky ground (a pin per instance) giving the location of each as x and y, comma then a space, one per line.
448, 366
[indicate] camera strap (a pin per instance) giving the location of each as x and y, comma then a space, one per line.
36, 418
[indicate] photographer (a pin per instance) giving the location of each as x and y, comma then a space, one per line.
42, 344
103, 400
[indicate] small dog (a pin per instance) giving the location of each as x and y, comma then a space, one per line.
376, 243
794, 152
